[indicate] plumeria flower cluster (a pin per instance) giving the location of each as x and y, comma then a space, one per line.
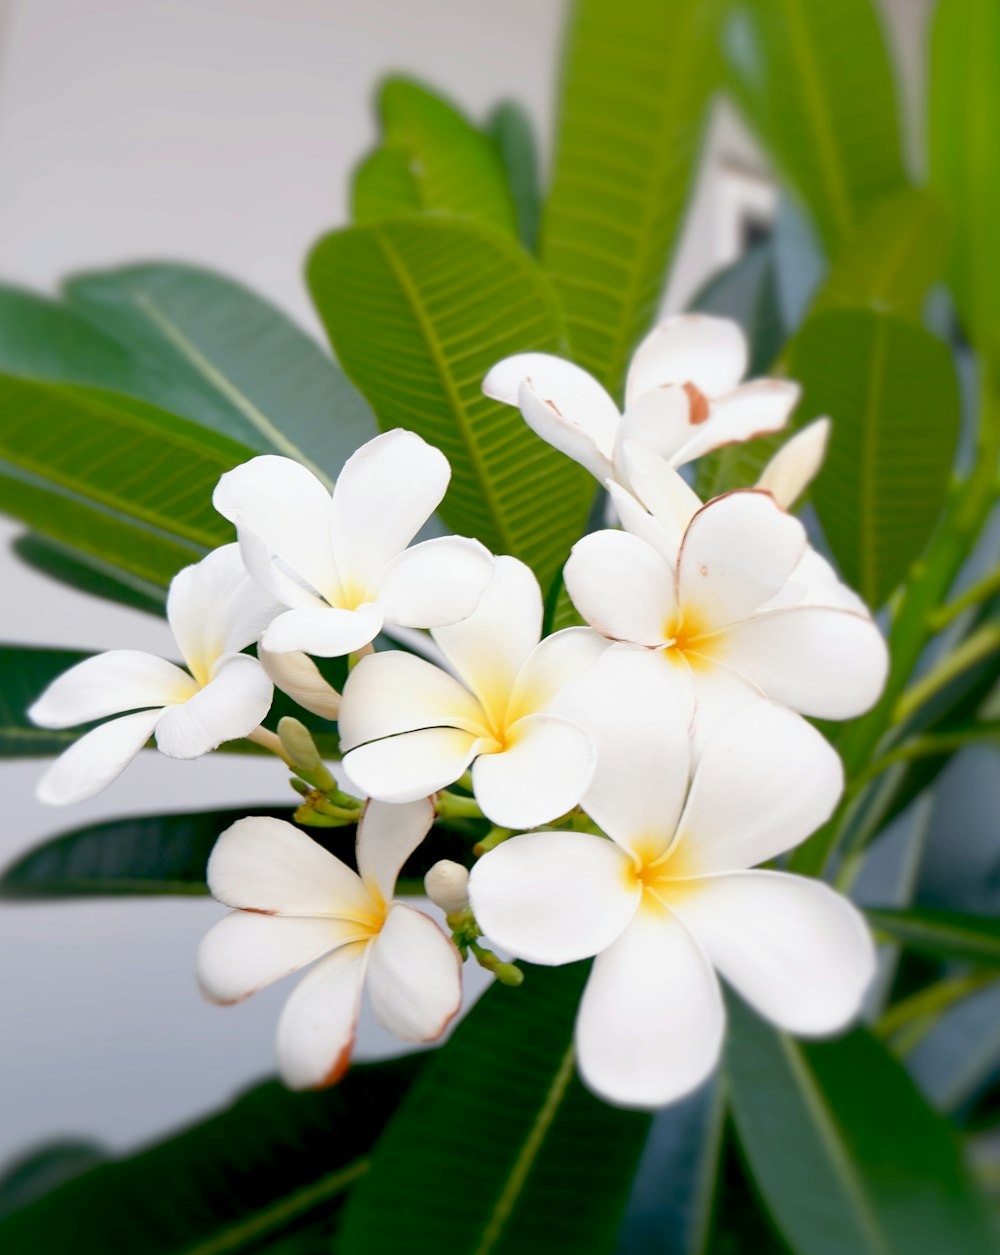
620, 783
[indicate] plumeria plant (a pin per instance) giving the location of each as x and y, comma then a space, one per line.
615, 653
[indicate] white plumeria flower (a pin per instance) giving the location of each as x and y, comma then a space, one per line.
214, 610
295, 903
796, 464
340, 561
670, 897
732, 592
408, 728
682, 398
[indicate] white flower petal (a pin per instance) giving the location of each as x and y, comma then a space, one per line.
214, 608
658, 420
554, 897
766, 780
489, 648
621, 586
327, 632
90, 764
543, 773
651, 1022
386, 492
287, 508
637, 707
814, 582
718, 692
553, 664
710, 353
565, 432
121, 679
268, 865
435, 583
317, 1026
754, 410
231, 705
387, 836
297, 675
414, 976
737, 553
393, 692
273, 576
414, 765
796, 464
824, 662
795, 950
246, 951
662, 490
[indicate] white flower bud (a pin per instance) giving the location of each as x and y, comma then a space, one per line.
447, 886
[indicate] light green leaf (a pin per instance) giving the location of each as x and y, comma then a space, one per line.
548, 1167
890, 388
848, 1155
432, 159
636, 83
964, 122
814, 81
231, 361
511, 128
942, 934
276, 1166
418, 310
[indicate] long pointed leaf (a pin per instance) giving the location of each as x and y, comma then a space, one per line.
943, 934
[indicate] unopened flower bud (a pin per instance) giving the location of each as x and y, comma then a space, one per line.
297, 742
447, 886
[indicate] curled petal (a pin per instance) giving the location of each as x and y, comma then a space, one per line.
414, 976
319, 1021
796, 464
230, 706
658, 420
325, 631
710, 353
98, 758
756, 409
297, 675
411, 766
543, 772
663, 491
119, 680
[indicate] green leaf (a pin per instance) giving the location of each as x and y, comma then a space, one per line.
511, 128
943, 934
636, 83
91, 467
273, 1166
890, 388
847, 1153
235, 363
815, 83
37, 1173
418, 310
89, 574
25, 671
498, 1148
432, 159
964, 122
747, 291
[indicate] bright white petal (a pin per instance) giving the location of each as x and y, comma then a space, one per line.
766, 780
658, 420
554, 897
317, 1026
393, 692
663, 491
636, 519
268, 865
90, 764
414, 976
327, 632
796, 464
814, 582
412, 766
622, 587
823, 662
543, 772
387, 836
122, 679
489, 648
565, 433
246, 951
215, 608
793, 948
287, 508
753, 410
555, 663
710, 353
737, 553
718, 693
637, 707
273, 576
297, 675
230, 706
435, 583
651, 1022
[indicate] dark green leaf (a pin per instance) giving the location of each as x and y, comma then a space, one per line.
241, 1181
747, 292
419, 309
432, 159
37, 1173
636, 83
89, 575
815, 83
24, 672
890, 388
849, 1157
943, 934
498, 1148
511, 128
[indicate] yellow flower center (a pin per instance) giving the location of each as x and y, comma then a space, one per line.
688, 635
664, 877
